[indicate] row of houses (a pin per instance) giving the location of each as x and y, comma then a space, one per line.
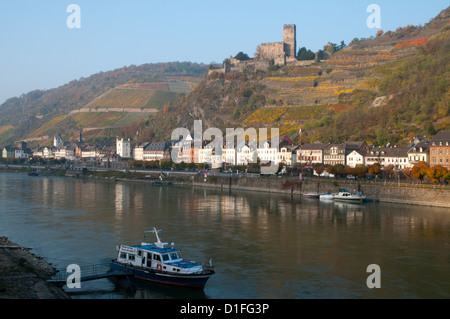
72, 150
434, 152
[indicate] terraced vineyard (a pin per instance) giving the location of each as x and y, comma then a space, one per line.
106, 119
86, 120
123, 98
49, 126
304, 112
266, 115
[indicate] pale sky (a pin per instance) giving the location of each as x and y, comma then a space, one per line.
39, 51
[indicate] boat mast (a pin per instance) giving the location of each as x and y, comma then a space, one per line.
158, 241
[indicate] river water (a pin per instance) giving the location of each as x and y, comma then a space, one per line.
269, 246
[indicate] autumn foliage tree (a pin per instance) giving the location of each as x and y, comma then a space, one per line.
436, 173
359, 171
420, 170
319, 169
374, 169
338, 170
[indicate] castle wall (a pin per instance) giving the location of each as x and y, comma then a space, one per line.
281, 52
272, 50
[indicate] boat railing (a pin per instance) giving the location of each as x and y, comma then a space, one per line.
195, 265
205, 267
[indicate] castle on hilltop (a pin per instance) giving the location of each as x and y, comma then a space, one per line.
278, 53
281, 52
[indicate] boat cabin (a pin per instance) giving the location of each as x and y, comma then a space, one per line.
156, 257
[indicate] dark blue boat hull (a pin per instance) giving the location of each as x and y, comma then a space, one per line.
190, 280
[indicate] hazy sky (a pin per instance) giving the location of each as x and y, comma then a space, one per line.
39, 51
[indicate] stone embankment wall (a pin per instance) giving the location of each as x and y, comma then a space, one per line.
425, 195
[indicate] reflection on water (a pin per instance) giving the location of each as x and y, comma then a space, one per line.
262, 245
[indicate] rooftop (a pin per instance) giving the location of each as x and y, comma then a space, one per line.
441, 137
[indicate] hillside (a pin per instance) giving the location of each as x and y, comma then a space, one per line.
38, 115
388, 88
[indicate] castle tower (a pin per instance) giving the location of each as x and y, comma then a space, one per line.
289, 39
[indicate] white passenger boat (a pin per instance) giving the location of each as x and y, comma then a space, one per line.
346, 196
159, 262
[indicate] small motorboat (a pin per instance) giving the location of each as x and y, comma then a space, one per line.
327, 196
346, 196
311, 195
159, 262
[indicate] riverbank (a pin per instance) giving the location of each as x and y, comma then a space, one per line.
391, 192
417, 194
23, 275
401, 193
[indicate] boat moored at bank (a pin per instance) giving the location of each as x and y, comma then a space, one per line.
327, 196
346, 196
161, 262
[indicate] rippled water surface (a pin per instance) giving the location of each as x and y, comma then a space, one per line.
262, 245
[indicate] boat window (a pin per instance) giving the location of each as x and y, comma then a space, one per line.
174, 256
130, 256
156, 257
140, 253
123, 255
165, 257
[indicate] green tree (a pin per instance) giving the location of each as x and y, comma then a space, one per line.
241, 56
381, 136
304, 54
431, 130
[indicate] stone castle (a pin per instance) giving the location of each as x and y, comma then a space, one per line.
281, 52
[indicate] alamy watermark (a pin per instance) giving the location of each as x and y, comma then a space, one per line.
73, 21
236, 139
374, 280
74, 279
374, 19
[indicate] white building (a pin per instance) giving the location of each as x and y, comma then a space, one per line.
355, 158
285, 156
48, 152
267, 153
244, 156
138, 151
229, 156
396, 156
204, 154
20, 153
67, 152
90, 152
123, 148
419, 153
